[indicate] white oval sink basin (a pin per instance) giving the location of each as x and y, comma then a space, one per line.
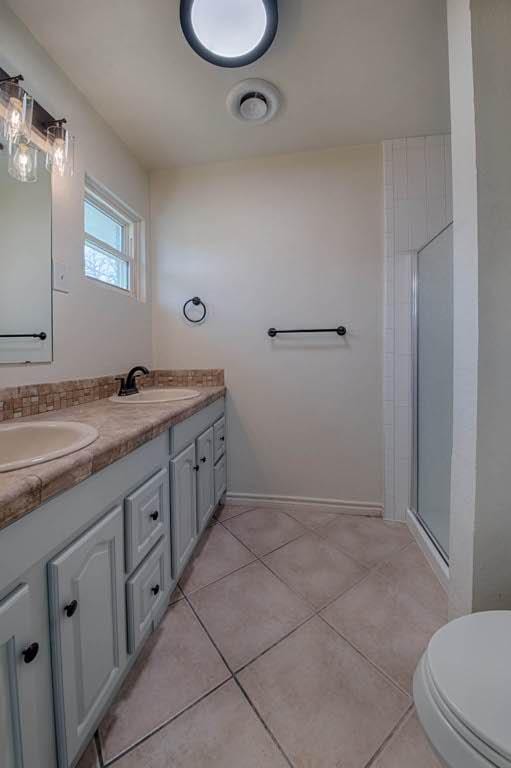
170, 395
34, 442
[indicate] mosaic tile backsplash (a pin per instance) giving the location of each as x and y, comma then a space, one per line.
30, 400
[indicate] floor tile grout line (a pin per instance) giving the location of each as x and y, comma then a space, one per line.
274, 645
295, 538
346, 591
215, 581
363, 655
166, 723
263, 722
371, 566
234, 674
250, 509
206, 630
99, 749
390, 736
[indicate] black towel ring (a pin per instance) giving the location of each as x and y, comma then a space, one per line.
196, 301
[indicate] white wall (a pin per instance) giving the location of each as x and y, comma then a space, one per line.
286, 241
465, 337
97, 331
418, 205
480, 56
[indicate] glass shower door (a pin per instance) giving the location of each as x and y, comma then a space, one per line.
434, 382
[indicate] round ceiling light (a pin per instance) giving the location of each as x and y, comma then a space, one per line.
229, 33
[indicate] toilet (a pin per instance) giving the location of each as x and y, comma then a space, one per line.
462, 691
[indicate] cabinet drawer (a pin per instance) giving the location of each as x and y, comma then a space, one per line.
220, 479
219, 430
147, 518
146, 590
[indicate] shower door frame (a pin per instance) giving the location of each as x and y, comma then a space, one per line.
415, 404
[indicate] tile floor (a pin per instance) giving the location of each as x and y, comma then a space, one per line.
291, 641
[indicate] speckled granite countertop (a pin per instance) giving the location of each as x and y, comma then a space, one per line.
122, 428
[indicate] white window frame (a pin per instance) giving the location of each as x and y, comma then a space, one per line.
133, 238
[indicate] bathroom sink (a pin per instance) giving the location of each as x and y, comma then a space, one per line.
34, 442
170, 395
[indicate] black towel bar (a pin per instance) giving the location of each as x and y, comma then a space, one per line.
340, 331
41, 335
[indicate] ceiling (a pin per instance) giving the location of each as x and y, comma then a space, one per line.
351, 72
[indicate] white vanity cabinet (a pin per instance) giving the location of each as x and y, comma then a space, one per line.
19, 652
193, 473
88, 627
99, 562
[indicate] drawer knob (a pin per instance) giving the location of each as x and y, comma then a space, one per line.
222, 439
196, 468
30, 652
155, 589
204, 459
70, 608
154, 515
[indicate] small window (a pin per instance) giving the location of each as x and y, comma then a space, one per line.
112, 241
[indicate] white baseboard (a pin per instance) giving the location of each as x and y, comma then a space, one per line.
430, 552
368, 509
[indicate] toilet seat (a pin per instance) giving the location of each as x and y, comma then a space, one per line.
462, 691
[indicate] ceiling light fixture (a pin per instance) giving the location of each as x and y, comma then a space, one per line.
229, 33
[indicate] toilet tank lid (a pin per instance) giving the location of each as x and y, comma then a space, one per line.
470, 662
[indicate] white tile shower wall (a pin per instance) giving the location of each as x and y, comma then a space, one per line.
417, 205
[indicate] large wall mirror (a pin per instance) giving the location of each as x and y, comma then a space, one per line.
25, 267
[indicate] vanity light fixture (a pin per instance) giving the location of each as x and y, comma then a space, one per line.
23, 162
28, 127
17, 110
60, 149
229, 33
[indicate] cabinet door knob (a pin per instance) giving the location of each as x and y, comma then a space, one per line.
204, 459
196, 468
222, 439
154, 515
155, 589
70, 608
30, 652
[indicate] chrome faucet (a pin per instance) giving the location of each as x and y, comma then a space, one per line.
128, 385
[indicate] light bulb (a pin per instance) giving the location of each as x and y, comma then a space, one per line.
60, 152
59, 156
23, 163
17, 120
13, 120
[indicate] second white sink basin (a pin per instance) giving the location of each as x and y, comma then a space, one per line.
34, 442
170, 395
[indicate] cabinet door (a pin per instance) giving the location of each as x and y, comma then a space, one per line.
220, 479
88, 624
18, 658
183, 507
205, 478
219, 429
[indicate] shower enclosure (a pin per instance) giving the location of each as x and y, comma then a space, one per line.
433, 383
